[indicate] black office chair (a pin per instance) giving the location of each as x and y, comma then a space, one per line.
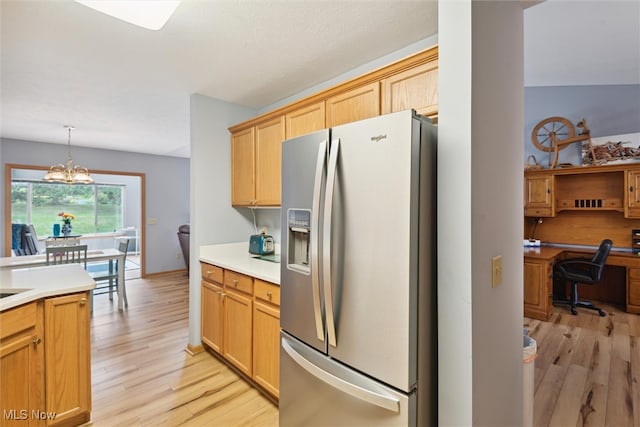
585, 271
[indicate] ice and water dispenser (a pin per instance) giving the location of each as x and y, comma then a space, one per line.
299, 229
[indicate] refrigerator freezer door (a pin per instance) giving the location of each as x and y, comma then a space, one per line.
301, 302
318, 391
374, 247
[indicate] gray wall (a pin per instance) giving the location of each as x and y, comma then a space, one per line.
481, 81
609, 110
167, 190
213, 219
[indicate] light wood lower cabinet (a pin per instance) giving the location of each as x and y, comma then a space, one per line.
266, 336
237, 330
633, 290
538, 288
45, 365
212, 312
241, 322
21, 365
67, 359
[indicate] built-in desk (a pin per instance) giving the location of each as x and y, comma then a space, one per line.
538, 278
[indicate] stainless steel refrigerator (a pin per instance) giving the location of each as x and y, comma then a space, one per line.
358, 307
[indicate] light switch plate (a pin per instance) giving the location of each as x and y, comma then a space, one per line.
496, 271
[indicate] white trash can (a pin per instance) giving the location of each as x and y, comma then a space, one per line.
528, 357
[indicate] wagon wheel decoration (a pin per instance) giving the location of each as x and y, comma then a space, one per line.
555, 133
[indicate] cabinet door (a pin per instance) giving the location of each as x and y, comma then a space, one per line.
269, 137
305, 120
415, 88
21, 362
633, 290
632, 205
266, 347
212, 315
538, 195
237, 330
537, 289
68, 359
243, 168
357, 104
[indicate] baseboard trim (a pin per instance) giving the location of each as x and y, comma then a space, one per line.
194, 349
164, 273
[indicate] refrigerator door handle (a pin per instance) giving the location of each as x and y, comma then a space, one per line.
326, 240
315, 222
370, 396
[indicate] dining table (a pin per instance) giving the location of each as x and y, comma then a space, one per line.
94, 255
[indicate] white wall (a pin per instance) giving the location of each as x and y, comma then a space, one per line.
167, 190
480, 212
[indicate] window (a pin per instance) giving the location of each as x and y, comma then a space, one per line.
98, 208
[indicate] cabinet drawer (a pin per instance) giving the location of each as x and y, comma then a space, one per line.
238, 281
211, 273
18, 319
268, 292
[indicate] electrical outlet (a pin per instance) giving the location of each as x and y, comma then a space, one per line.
152, 221
178, 255
496, 271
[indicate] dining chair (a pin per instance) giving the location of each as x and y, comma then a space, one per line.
67, 255
107, 279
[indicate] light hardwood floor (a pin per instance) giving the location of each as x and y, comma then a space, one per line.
142, 376
587, 372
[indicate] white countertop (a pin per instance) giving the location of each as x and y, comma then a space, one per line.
42, 282
236, 257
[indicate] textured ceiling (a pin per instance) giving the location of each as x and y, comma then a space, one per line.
127, 88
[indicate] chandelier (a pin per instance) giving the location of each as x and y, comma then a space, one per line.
68, 174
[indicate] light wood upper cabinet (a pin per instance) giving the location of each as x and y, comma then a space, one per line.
539, 196
255, 164
353, 105
269, 137
415, 88
305, 120
632, 184
243, 167
21, 365
68, 359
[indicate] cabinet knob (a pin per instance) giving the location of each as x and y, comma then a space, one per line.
83, 301
36, 341
269, 295
235, 282
208, 273
631, 189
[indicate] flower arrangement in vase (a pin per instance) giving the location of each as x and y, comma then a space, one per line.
66, 222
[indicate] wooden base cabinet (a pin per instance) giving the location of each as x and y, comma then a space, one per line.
45, 363
538, 288
266, 337
68, 359
21, 365
237, 330
241, 322
633, 290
